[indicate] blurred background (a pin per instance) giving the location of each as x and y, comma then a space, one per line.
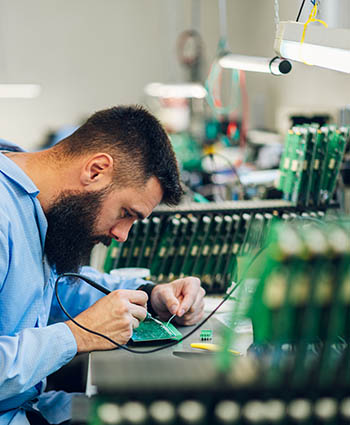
87, 55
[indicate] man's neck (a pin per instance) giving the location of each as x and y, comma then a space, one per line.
41, 171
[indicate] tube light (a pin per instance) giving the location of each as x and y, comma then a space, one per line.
275, 66
19, 91
179, 91
324, 47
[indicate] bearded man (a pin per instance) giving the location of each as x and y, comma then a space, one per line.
55, 205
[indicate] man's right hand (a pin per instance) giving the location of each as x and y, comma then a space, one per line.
115, 315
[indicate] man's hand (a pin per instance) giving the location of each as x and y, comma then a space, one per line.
115, 315
183, 297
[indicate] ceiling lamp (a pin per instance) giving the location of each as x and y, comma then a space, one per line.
19, 91
324, 47
275, 66
176, 91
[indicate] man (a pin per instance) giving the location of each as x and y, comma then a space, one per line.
55, 205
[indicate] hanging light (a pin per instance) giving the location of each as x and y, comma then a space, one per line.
175, 91
275, 66
325, 47
19, 91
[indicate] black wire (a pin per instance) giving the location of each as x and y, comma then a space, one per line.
300, 10
124, 347
233, 168
163, 347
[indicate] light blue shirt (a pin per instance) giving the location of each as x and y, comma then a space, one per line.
30, 349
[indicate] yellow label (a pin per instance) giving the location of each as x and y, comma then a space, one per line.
162, 251
331, 164
205, 250
316, 164
194, 250
324, 290
294, 165
300, 290
275, 290
216, 249
346, 290
114, 252
286, 163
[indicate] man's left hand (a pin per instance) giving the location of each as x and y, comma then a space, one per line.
183, 297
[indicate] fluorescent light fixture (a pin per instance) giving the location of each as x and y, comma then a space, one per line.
19, 91
324, 47
179, 91
275, 66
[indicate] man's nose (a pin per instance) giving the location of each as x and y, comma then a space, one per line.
121, 230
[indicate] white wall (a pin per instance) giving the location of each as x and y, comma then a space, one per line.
87, 54
91, 54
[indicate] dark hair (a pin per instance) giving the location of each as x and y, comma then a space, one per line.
138, 143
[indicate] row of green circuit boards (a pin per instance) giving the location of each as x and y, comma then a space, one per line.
150, 331
310, 164
300, 307
197, 241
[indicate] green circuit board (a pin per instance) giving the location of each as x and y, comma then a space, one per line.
149, 331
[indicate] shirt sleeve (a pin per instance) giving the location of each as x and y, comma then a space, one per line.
77, 295
4, 257
32, 354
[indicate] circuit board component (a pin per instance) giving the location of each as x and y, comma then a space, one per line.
206, 335
149, 331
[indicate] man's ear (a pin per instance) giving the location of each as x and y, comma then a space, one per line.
97, 171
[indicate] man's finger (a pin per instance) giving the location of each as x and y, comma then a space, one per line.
135, 323
198, 305
137, 311
170, 300
190, 293
134, 296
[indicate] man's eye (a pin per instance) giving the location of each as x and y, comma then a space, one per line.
126, 214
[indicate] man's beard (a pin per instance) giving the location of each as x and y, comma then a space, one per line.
70, 235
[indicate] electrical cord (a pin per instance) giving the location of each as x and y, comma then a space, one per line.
107, 291
300, 10
232, 167
277, 14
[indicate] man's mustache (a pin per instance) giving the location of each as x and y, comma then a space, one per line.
106, 240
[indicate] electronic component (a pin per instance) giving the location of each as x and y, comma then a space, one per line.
203, 240
310, 164
151, 330
206, 335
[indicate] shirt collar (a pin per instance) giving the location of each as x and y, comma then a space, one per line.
17, 175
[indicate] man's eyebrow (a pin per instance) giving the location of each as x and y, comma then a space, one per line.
139, 215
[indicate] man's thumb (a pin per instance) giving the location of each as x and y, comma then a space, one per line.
173, 308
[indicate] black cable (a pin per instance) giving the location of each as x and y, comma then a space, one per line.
107, 291
300, 10
233, 168
124, 347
